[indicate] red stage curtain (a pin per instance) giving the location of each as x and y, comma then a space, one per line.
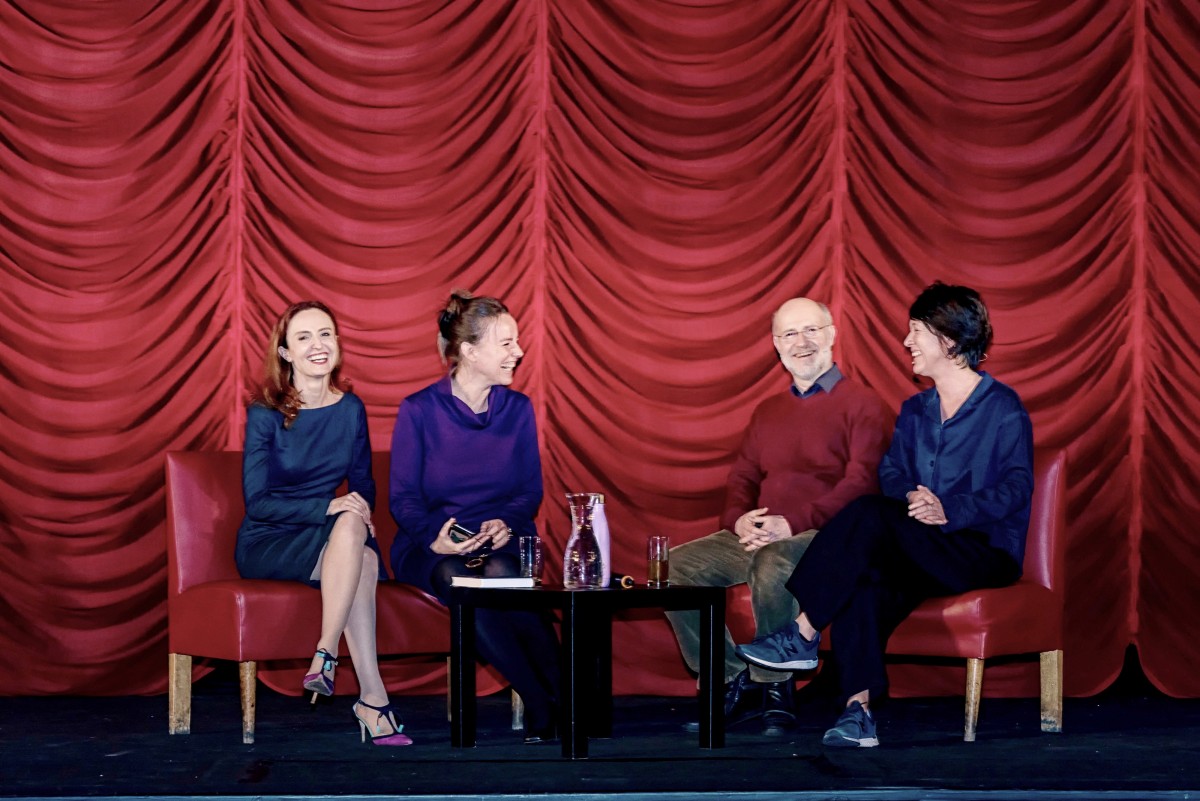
644, 182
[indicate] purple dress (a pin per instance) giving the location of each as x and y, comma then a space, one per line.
448, 461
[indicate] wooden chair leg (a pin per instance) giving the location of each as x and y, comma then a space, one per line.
179, 694
974, 692
247, 682
1052, 712
518, 712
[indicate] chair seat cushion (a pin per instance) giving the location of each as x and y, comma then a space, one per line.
1022, 618
410, 621
255, 620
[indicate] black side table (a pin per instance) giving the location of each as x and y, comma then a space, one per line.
585, 707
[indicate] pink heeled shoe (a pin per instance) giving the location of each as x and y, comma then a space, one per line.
319, 683
386, 712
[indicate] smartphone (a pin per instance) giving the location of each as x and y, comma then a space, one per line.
459, 533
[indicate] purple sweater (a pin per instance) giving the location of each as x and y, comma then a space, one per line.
448, 461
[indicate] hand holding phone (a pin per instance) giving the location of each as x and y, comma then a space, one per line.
460, 533
479, 553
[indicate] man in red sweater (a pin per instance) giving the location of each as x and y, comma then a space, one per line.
807, 452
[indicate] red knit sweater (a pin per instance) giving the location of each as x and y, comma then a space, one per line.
807, 457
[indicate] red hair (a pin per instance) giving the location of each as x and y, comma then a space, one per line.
277, 391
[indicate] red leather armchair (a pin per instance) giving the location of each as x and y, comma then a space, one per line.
213, 612
1024, 618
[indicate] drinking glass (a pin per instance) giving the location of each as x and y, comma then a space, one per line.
658, 549
531, 558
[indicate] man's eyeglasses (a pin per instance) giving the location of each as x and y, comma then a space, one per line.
808, 332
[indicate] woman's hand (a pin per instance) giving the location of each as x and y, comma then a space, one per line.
924, 507
355, 504
445, 545
498, 531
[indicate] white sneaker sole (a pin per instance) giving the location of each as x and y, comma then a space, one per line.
798, 664
850, 742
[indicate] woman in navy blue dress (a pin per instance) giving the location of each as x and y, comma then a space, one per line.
306, 434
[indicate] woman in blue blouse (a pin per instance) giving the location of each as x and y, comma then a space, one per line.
465, 450
306, 433
957, 483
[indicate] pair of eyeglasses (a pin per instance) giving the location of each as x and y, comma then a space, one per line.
808, 332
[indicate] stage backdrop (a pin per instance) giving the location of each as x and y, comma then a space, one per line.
643, 182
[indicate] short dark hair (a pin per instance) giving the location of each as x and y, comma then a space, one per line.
958, 314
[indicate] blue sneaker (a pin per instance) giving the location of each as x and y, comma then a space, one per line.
854, 729
784, 649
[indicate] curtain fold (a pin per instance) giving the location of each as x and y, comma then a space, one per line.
1170, 465
643, 182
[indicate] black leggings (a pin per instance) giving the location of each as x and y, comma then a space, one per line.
871, 565
521, 645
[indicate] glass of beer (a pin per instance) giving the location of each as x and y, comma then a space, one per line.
658, 549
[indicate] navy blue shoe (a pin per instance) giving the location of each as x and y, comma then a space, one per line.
854, 729
784, 649
743, 701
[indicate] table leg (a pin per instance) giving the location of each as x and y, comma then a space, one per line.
572, 726
712, 674
462, 676
601, 715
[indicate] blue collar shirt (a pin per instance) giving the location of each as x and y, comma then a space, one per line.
825, 383
979, 463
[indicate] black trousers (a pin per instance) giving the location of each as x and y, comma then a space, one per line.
871, 565
521, 645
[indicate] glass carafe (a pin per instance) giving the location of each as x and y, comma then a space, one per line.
583, 562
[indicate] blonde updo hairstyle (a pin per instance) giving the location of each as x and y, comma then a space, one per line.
464, 319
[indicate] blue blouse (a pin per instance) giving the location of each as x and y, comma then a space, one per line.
979, 463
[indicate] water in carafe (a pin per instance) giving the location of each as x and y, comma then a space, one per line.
583, 564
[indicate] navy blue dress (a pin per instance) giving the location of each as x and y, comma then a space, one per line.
289, 476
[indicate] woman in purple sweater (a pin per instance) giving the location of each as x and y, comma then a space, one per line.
465, 450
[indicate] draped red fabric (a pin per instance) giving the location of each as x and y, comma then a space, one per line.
643, 182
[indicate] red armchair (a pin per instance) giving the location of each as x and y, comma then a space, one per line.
1024, 618
213, 612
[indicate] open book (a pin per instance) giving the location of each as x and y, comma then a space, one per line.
488, 581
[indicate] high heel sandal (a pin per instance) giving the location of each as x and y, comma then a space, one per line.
318, 683
386, 712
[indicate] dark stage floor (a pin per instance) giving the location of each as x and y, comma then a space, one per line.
1126, 743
